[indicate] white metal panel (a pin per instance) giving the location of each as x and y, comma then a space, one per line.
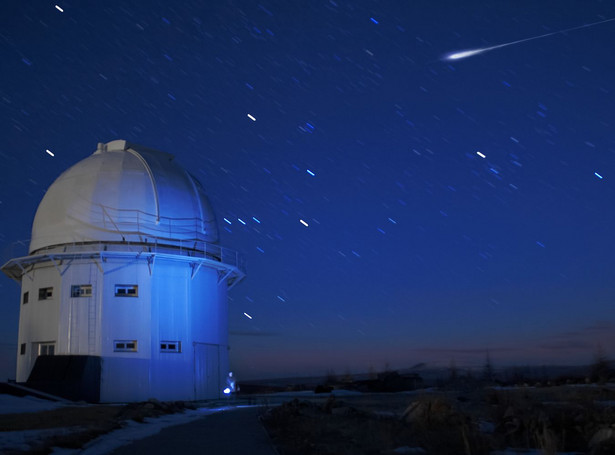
38, 319
123, 192
207, 371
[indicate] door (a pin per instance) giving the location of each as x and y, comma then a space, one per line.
206, 371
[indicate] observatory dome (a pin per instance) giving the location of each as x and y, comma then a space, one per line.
124, 192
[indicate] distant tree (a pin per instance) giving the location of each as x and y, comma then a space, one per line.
372, 374
330, 377
488, 374
453, 372
348, 378
600, 369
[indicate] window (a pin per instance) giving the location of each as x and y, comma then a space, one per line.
26, 297
170, 346
81, 290
22, 349
125, 345
126, 290
46, 349
45, 293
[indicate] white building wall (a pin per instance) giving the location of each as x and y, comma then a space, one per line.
125, 375
172, 372
172, 306
38, 319
80, 316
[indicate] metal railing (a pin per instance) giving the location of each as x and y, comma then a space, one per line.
138, 231
128, 222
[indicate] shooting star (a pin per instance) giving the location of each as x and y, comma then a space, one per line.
472, 52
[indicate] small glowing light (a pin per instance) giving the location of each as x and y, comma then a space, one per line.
256, 219
598, 175
392, 221
227, 221
227, 391
251, 117
247, 315
59, 9
50, 152
281, 298
482, 155
373, 20
241, 221
304, 223
310, 172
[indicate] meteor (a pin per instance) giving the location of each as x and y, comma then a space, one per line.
472, 52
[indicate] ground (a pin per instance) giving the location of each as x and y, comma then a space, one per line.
488, 420
70, 426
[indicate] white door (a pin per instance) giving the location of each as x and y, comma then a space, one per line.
82, 317
206, 371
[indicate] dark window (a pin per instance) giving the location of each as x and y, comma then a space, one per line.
170, 346
26, 296
46, 349
125, 345
81, 290
126, 290
22, 349
45, 293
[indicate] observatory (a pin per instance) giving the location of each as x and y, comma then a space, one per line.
124, 288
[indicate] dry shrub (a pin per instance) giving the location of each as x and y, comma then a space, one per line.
442, 428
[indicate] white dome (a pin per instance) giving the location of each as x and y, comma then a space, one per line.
124, 192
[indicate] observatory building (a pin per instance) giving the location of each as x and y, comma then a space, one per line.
124, 288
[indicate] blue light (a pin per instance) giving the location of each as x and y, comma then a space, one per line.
373, 20
227, 391
256, 219
227, 221
310, 172
598, 175
241, 221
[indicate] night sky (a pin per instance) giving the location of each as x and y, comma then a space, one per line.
394, 207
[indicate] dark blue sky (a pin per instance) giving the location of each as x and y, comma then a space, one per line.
417, 248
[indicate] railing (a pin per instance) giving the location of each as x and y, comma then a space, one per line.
138, 222
138, 231
14, 250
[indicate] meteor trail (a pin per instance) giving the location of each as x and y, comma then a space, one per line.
472, 52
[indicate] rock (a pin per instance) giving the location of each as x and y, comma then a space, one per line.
344, 411
600, 436
486, 427
323, 389
432, 410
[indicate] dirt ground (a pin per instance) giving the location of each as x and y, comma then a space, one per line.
85, 422
571, 419
551, 419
